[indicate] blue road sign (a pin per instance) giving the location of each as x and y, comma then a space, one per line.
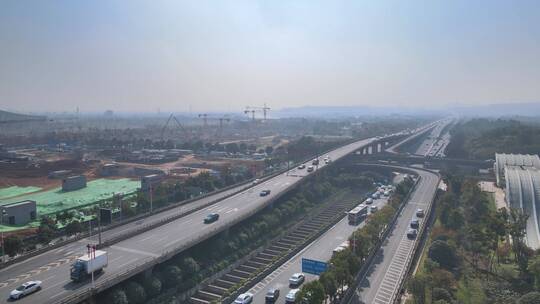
313, 266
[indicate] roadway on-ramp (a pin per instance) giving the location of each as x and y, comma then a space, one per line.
385, 275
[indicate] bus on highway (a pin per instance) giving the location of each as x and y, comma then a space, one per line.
357, 214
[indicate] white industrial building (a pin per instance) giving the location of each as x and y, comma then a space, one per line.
523, 192
502, 160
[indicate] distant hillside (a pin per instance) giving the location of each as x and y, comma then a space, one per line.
527, 109
10, 117
345, 111
482, 138
500, 110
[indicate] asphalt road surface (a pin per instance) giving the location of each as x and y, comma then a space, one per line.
53, 267
436, 142
321, 250
385, 275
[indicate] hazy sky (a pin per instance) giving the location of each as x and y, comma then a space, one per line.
223, 55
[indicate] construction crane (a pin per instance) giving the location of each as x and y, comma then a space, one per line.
178, 124
251, 109
252, 113
206, 118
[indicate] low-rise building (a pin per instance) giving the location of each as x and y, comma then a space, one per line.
73, 183
19, 213
151, 182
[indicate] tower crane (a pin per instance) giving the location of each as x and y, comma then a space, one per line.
252, 113
252, 109
206, 118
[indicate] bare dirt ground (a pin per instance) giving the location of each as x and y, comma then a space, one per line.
498, 193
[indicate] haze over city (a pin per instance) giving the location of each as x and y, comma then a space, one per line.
141, 56
276, 152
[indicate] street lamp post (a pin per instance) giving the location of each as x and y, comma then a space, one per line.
2, 233
288, 161
151, 198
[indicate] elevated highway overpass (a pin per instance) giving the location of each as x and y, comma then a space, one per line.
414, 135
141, 251
146, 249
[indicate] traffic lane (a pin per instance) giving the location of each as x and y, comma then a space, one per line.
138, 249
162, 215
135, 256
192, 227
57, 283
52, 256
321, 249
419, 199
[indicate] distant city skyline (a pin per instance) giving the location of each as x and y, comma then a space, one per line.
141, 56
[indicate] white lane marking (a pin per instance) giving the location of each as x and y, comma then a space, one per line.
171, 243
126, 263
146, 238
69, 252
54, 285
115, 259
160, 239
232, 210
223, 209
135, 251
58, 294
48, 278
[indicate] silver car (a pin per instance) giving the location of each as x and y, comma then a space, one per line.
244, 298
25, 289
297, 279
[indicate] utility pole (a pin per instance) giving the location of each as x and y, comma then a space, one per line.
151, 197
288, 161
99, 227
2, 223
90, 228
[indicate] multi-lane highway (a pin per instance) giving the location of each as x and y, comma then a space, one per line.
412, 135
321, 250
435, 144
384, 278
151, 246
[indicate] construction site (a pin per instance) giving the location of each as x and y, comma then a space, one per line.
70, 162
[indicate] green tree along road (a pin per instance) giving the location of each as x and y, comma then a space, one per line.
344, 265
475, 253
190, 267
311, 293
482, 138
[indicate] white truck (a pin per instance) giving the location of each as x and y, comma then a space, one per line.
84, 266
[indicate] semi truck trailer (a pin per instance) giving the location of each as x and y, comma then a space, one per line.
87, 264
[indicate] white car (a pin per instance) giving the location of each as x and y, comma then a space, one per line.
25, 289
291, 296
244, 298
297, 279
